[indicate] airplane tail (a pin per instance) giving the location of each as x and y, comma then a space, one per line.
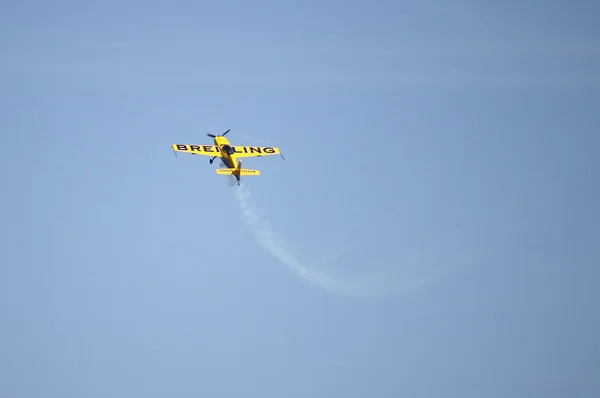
238, 171
249, 172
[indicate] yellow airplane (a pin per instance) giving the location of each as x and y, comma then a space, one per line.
229, 154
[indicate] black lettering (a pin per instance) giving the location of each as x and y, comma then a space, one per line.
255, 149
207, 148
182, 147
195, 148
269, 150
245, 149
235, 150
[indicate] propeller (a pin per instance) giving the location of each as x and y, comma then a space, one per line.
222, 135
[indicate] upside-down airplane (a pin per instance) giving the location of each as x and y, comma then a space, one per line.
229, 154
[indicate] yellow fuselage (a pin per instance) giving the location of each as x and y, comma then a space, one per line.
227, 154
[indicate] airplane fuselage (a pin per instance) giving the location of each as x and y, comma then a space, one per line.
227, 153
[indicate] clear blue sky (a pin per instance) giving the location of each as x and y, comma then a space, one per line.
433, 230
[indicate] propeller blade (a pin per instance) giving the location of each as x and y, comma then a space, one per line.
211, 135
225, 132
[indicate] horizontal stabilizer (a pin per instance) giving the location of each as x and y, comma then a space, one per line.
243, 172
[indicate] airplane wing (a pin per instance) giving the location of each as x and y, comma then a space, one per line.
208, 150
247, 151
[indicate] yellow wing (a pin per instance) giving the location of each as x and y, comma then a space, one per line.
246, 151
208, 150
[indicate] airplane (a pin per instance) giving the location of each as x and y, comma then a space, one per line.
228, 154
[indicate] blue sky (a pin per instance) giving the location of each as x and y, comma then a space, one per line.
433, 230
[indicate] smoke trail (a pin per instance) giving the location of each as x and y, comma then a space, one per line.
267, 239
413, 271
231, 181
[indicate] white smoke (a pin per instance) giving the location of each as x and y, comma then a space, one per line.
412, 273
266, 238
231, 181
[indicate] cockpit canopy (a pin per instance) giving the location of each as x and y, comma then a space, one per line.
228, 149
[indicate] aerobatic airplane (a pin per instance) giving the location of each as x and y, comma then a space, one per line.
229, 154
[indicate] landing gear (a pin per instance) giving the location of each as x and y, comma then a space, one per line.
212, 160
